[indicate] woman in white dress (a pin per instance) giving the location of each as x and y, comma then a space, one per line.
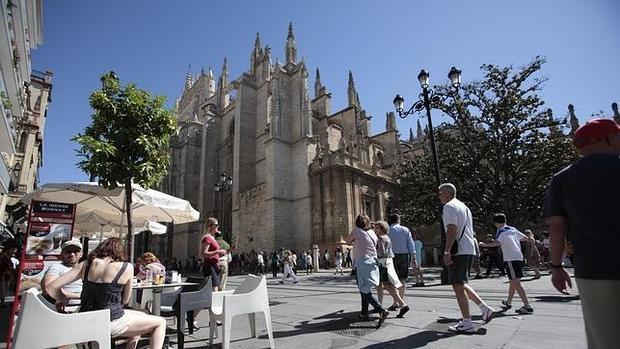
387, 273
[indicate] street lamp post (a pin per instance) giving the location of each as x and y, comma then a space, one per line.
427, 100
223, 184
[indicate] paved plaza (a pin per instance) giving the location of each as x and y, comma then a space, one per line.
321, 312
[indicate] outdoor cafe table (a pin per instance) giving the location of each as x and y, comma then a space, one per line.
157, 291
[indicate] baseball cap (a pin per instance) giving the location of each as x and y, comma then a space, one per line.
594, 130
72, 243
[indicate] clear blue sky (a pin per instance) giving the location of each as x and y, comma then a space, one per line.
384, 43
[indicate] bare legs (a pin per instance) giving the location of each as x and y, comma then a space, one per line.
398, 299
536, 271
463, 292
139, 324
515, 285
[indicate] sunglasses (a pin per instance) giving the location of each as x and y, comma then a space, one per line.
72, 250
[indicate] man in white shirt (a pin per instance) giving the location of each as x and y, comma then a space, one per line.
458, 223
70, 254
509, 238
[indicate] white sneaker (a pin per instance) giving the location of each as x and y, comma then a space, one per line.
462, 327
487, 314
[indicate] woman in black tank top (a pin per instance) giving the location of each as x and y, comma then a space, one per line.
107, 284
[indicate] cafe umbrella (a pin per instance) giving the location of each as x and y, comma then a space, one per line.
90, 197
87, 223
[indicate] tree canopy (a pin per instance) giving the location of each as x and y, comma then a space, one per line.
129, 135
500, 149
127, 140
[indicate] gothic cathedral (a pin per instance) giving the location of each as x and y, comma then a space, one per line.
277, 167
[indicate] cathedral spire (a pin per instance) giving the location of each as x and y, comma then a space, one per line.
390, 122
317, 84
210, 83
257, 46
224, 75
419, 132
411, 139
291, 46
189, 80
614, 107
574, 122
256, 55
352, 97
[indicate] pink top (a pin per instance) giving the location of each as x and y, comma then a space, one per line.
365, 243
213, 246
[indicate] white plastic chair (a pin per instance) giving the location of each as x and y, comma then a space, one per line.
61, 329
249, 298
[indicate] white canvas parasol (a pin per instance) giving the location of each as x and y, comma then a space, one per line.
89, 197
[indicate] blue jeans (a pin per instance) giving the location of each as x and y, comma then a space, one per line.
368, 298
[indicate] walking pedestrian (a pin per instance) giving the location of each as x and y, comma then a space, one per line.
274, 264
458, 253
338, 259
476, 259
583, 199
309, 265
326, 259
417, 267
367, 271
225, 259
294, 261
348, 262
404, 253
387, 274
210, 253
288, 268
532, 256
260, 263
491, 255
509, 239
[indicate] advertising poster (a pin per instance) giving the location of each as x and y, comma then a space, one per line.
33, 271
50, 225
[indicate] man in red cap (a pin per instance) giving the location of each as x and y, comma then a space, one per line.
584, 200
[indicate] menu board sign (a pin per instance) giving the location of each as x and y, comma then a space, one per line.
50, 225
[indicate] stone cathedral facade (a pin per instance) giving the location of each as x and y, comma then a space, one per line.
300, 172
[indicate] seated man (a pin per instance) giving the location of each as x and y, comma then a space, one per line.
70, 254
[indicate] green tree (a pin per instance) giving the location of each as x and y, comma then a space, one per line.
127, 140
500, 148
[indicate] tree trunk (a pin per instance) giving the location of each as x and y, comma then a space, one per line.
128, 192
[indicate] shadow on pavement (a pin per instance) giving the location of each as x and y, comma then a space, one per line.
447, 320
557, 299
421, 339
339, 322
